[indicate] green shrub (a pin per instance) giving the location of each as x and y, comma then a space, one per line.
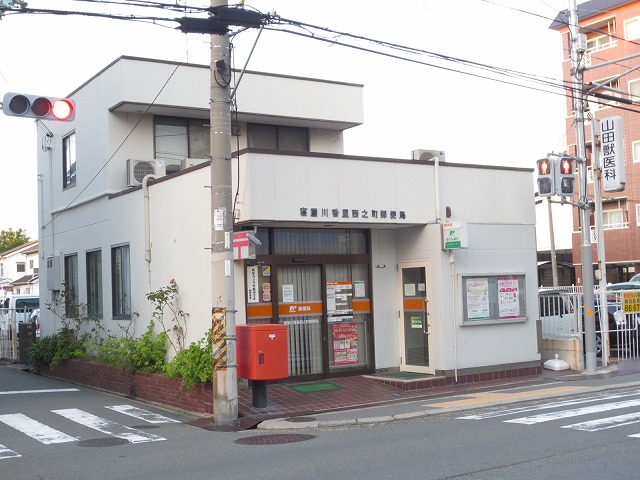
145, 353
192, 364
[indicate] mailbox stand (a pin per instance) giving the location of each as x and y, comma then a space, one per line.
262, 355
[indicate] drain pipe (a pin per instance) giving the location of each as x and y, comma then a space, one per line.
452, 264
147, 226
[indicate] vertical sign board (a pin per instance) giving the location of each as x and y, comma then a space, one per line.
611, 138
454, 235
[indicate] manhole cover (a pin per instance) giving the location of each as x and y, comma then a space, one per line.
145, 427
102, 442
300, 419
275, 439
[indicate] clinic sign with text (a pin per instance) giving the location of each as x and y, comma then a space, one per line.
611, 139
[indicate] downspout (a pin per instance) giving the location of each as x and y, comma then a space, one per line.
147, 227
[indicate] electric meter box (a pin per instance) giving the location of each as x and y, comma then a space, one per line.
263, 352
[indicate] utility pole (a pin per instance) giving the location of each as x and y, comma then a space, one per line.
577, 68
225, 374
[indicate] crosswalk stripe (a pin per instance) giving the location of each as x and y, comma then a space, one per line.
34, 429
141, 414
108, 427
604, 423
574, 412
7, 453
545, 406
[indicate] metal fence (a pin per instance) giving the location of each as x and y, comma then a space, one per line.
561, 315
16, 333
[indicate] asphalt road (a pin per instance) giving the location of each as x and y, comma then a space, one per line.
96, 435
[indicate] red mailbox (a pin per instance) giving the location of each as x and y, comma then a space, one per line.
262, 352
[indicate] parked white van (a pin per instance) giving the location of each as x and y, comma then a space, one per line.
16, 309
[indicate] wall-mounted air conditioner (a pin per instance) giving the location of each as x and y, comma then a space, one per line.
138, 169
190, 162
427, 154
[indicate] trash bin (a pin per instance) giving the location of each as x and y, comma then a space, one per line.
263, 355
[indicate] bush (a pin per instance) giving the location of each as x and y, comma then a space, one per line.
145, 353
192, 364
55, 348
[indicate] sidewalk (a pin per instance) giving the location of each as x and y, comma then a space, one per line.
368, 399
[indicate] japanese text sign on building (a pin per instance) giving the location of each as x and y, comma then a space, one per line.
454, 235
611, 139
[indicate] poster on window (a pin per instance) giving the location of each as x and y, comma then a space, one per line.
345, 343
477, 298
508, 298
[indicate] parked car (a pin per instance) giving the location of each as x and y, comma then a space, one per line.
16, 309
561, 309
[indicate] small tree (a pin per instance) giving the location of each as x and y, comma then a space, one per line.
166, 299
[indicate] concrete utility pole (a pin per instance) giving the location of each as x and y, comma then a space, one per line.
225, 375
577, 69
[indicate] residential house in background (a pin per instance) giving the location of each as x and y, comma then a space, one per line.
19, 270
372, 263
612, 30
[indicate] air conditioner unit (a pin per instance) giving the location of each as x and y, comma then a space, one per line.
138, 169
190, 162
427, 154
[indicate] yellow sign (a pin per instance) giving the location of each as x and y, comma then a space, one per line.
631, 302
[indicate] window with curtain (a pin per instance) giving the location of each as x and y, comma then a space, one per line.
94, 283
71, 297
120, 282
69, 161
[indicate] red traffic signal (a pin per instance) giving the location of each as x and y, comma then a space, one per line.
36, 106
546, 176
565, 181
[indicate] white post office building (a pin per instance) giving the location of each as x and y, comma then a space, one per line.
415, 264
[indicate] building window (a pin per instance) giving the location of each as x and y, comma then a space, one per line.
94, 283
638, 215
635, 150
120, 282
69, 161
20, 267
596, 103
180, 138
613, 218
634, 90
71, 299
632, 28
30, 264
600, 35
278, 137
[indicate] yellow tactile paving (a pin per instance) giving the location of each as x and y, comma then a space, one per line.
501, 397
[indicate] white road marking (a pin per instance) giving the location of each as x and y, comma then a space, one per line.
7, 453
50, 390
574, 412
141, 414
108, 427
604, 423
35, 429
545, 406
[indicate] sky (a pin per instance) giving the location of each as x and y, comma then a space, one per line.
407, 105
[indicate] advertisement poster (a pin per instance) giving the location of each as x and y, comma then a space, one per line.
477, 298
345, 343
508, 298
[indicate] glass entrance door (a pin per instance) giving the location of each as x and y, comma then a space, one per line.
300, 308
414, 314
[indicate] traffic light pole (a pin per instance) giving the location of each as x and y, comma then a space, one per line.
581, 152
225, 375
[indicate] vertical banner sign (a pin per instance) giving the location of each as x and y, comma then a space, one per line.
611, 138
252, 284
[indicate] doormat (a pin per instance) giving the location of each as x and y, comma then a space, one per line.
314, 387
400, 375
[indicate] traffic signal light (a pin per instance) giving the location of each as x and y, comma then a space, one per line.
36, 106
546, 177
565, 178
